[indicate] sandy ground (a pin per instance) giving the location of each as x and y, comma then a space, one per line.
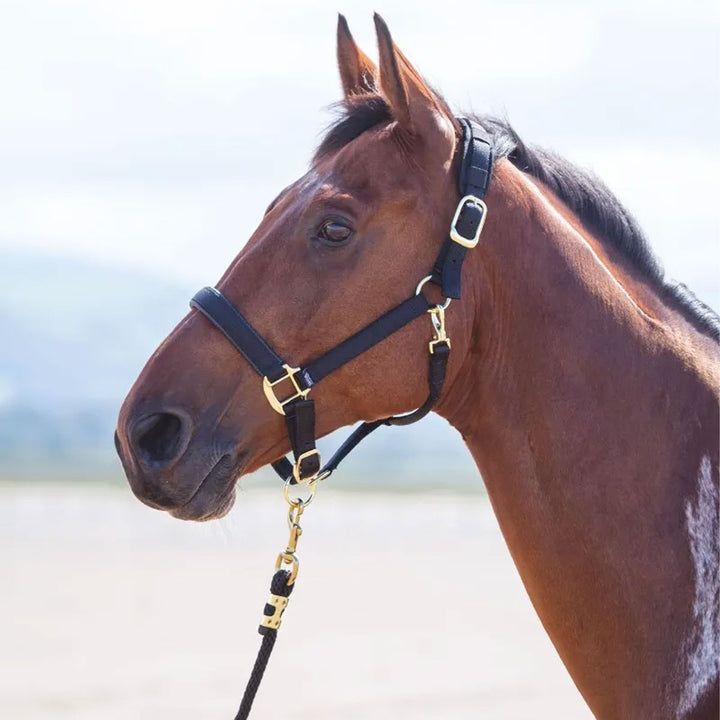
406, 607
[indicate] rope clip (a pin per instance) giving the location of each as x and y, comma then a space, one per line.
437, 317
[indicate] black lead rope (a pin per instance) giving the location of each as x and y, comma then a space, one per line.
287, 388
279, 588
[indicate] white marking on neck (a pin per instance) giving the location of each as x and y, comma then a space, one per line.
554, 211
701, 649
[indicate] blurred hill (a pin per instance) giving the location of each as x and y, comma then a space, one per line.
74, 337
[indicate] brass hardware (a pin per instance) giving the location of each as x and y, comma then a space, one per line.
437, 316
269, 389
298, 462
295, 529
324, 475
433, 343
297, 501
455, 236
420, 287
273, 621
287, 559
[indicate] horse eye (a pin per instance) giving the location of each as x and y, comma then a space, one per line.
334, 232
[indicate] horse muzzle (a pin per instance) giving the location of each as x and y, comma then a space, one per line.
169, 467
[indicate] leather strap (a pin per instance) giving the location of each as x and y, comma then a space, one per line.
351, 442
473, 179
436, 379
364, 339
226, 318
300, 423
477, 160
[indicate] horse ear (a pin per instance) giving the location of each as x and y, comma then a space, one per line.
407, 93
357, 70
392, 83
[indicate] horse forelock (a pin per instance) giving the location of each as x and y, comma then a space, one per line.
356, 116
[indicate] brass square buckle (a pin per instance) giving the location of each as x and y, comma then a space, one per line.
455, 236
269, 390
296, 467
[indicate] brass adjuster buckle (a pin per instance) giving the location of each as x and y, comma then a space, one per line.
455, 236
269, 389
298, 464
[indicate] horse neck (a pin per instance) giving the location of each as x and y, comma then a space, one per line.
591, 421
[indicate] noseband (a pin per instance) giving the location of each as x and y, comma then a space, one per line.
297, 382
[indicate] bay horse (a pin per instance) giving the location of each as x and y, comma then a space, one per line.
583, 382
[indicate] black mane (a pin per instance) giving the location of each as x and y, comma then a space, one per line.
585, 194
356, 116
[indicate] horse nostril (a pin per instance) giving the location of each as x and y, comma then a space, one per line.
158, 437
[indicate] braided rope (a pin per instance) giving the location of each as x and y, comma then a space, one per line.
278, 586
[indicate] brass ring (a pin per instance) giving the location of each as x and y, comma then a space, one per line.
285, 558
298, 501
444, 306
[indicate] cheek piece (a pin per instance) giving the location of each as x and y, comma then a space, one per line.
287, 387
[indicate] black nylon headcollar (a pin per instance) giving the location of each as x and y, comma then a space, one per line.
473, 183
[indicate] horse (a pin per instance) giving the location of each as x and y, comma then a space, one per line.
582, 380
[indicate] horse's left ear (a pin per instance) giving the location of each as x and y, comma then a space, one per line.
411, 100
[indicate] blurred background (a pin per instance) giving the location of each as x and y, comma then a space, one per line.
139, 145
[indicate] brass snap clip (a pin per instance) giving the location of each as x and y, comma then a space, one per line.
287, 559
437, 316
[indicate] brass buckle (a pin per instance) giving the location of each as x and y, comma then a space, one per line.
269, 390
298, 462
455, 236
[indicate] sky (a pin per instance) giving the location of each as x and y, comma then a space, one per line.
153, 134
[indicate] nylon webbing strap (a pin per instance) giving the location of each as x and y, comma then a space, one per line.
436, 379
364, 339
476, 163
351, 442
474, 179
300, 424
226, 318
